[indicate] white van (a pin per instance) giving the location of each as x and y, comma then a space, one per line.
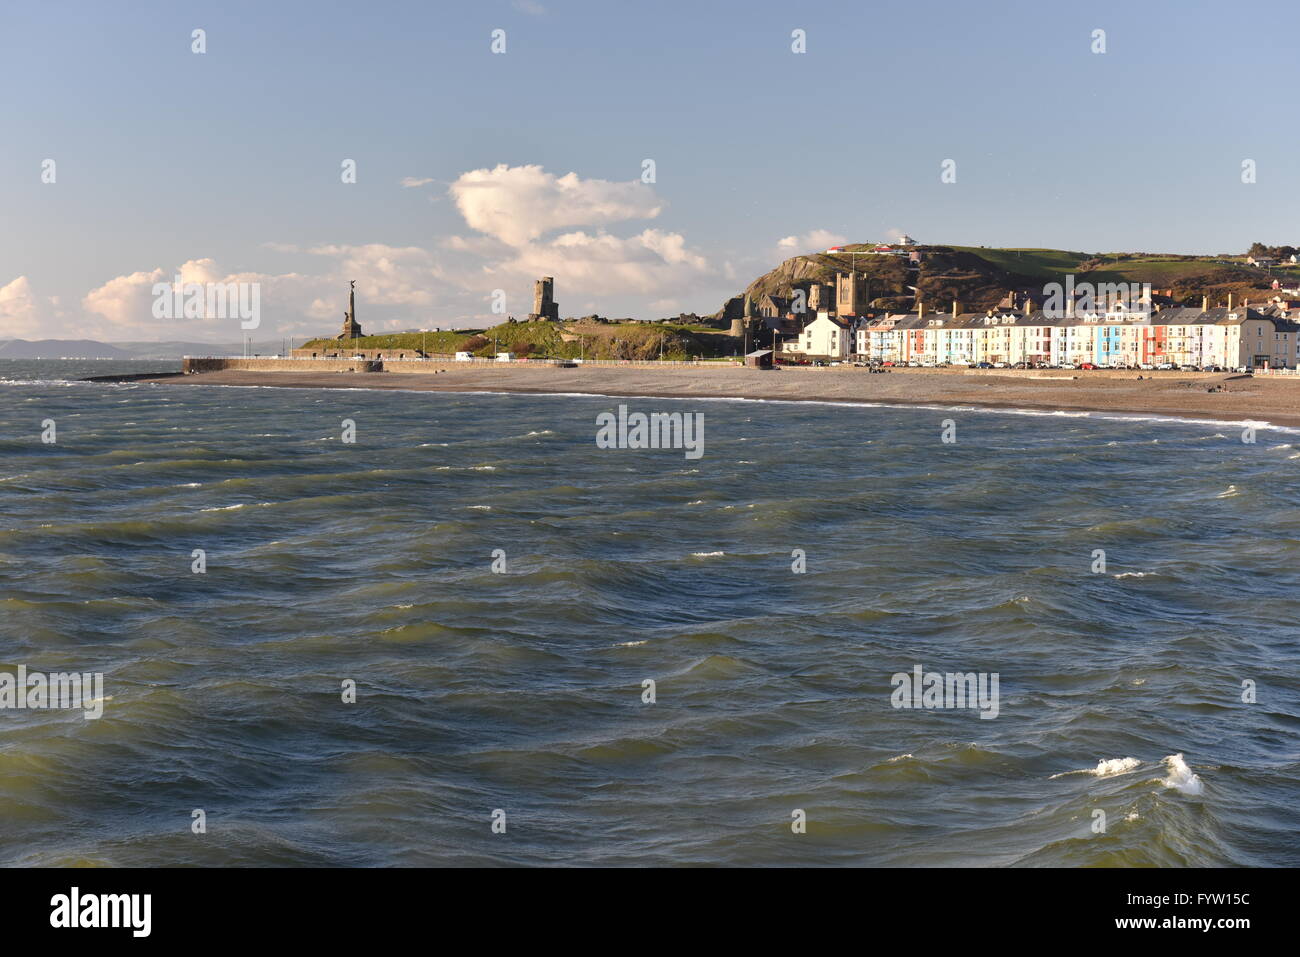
464, 357
505, 357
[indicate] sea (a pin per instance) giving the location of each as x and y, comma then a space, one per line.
346, 627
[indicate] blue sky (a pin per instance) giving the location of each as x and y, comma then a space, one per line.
227, 164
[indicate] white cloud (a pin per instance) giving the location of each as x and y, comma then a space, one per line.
531, 7
20, 311
814, 240
412, 182
125, 300
393, 275
518, 204
650, 262
518, 209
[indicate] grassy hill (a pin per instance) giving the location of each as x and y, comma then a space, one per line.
977, 277
569, 340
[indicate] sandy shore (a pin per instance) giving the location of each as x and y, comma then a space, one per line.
1259, 399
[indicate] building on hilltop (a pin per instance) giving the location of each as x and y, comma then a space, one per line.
351, 328
544, 306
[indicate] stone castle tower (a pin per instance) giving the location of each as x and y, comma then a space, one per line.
819, 297
544, 305
351, 328
852, 294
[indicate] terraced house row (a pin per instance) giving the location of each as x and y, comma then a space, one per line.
1222, 336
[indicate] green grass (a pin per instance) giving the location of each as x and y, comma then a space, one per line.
408, 341
547, 340
1037, 263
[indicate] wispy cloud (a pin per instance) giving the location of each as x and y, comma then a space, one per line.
814, 240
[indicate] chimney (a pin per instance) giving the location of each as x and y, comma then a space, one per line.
954, 308
1229, 300
1205, 303
1029, 306
920, 308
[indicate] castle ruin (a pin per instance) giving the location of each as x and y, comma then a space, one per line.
544, 305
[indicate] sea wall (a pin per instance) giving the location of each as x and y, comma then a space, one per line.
193, 365
320, 353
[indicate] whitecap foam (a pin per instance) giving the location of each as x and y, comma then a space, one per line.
1181, 777
1106, 768
707, 554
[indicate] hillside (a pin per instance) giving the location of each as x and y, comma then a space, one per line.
60, 349
94, 349
570, 340
978, 277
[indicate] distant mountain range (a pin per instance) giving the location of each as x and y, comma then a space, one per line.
93, 349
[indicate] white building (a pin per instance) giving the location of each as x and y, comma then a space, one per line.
825, 337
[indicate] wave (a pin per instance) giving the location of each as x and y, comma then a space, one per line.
1181, 777
1106, 768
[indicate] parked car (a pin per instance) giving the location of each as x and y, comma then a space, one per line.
888, 362
1087, 365
1166, 366
983, 365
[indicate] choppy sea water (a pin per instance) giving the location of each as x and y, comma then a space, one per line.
523, 691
